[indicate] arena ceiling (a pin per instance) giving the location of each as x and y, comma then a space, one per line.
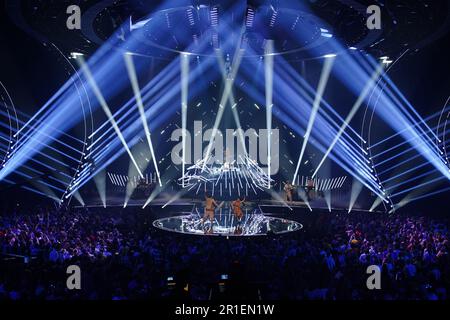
406, 24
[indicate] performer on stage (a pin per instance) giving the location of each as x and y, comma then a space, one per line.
310, 184
236, 206
210, 205
310, 188
288, 187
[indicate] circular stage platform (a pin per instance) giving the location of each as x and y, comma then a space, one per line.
254, 224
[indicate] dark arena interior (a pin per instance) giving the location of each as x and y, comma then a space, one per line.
218, 150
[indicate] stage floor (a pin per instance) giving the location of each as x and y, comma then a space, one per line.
253, 223
168, 201
268, 207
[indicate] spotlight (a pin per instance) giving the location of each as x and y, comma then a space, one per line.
325, 33
74, 55
385, 60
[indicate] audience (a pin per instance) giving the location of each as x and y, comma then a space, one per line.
122, 256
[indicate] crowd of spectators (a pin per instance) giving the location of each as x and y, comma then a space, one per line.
121, 256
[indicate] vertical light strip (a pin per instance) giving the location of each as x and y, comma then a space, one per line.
268, 71
184, 61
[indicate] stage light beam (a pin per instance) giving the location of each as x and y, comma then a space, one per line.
327, 195
375, 204
276, 196
226, 92
77, 196
232, 101
100, 183
184, 64
268, 72
356, 190
137, 92
320, 90
106, 109
351, 114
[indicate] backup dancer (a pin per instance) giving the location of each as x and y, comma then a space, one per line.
210, 205
237, 210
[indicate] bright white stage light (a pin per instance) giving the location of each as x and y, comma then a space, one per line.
106, 109
233, 103
225, 96
268, 68
351, 114
100, 183
385, 60
327, 195
320, 90
75, 55
356, 190
137, 92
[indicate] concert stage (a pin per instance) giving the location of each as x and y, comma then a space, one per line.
268, 207
253, 223
261, 218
